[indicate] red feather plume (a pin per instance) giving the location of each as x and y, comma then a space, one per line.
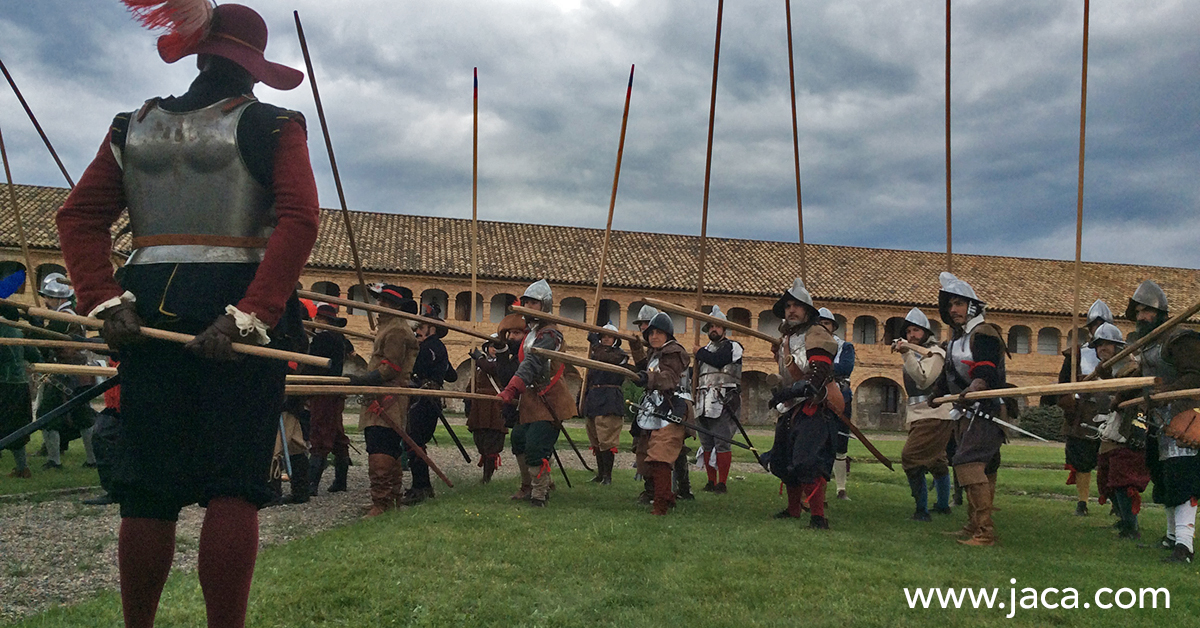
186, 22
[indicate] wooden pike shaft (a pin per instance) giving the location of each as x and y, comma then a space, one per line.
561, 320
53, 344
1190, 393
371, 307
301, 390
73, 369
337, 179
31, 329
36, 126
12, 199
474, 199
949, 247
796, 141
1145, 340
1074, 355
170, 336
567, 358
712, 118
1105, 385
701, 316
340, 330
612, 201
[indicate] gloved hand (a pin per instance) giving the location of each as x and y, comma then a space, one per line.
373, 378
216, 342
787, 393
513, 390
976, 385
822, 373
121, 326
478, 355
642, 379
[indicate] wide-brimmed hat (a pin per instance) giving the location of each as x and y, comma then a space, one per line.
231, 31
432, 311
329, 312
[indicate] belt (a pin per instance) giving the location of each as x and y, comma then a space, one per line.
912, 401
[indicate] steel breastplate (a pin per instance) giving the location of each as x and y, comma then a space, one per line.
711, 376
1153, 364
190, 196
796, 347
1088, 361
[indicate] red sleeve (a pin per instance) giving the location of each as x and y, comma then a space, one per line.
84, 222
294, 235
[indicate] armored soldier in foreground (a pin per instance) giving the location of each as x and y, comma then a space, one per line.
719, 400
603, 403
662, 378
929, 429
217, 253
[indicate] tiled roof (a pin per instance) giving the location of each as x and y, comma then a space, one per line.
421, 245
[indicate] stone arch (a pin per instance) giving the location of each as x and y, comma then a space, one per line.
865, 330
573, 308
893, 329
8, 267
631, 313
437, 298
879, 404
462, 306
840, 329
327, 287
500, 306
936, 328
609, 312
768, 323
1018, 339
356, 293
739, 315
46, 269
1048, 341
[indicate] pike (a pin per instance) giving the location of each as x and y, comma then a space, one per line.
318, 390
34, 329
54, 344
1129, 349
562, 320
1108, 385
567, 358
1188, 393
110, 371
340, 330
701, 316
379, 309
71, 404
670, 418
170, 336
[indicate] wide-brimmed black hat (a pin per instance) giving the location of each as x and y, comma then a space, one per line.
329, 312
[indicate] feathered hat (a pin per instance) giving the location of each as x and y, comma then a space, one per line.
232, 31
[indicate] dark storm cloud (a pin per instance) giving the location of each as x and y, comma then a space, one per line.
396, 83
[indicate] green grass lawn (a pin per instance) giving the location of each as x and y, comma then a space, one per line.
72, 475
471, 557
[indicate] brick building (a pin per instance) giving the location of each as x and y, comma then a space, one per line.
869, 289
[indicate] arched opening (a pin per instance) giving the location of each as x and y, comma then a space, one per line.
1018, 339
840, 330
437, 299
878, 404
8, 268
756, 393
609, 312
680, 322
1048, 341
46, 269
462, 307
356, 293
768, 323
936, 328
865, 328
500, 306
327, 287
573, 308
893, 329
739, 315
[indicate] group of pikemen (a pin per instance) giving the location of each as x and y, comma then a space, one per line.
223, 212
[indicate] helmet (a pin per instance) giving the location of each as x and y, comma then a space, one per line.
662, 322
917, 318
645, 314
1099, 311
595, 337
796, 293
715, 313
56, 286
1107, 333
826, 314
954, 287
1147, 294
540, 291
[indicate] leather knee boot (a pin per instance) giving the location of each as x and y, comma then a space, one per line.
489, 468
539, 492
316, 468
526, 480
664, 497
980, 497
341, 467
379, 470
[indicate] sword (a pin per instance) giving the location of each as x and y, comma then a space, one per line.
976, 410
454, 437
563, 469
70, 405
678, 421
287, 458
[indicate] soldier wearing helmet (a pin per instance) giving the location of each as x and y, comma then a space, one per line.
663, 379
810, 406
603, 402
929, 429
974, 362
1174, 467
58, 293
719, 399
843, 368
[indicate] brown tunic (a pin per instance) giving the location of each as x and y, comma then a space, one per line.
393, 355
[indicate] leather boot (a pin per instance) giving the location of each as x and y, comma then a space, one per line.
489, 468
683, 480
980, 497
316, 468
606, 466
341, 466
647, 495
539, 492
971, 526
664, 497
526, 480
379, 469
396, 482
299, 480
599, 469
920, 494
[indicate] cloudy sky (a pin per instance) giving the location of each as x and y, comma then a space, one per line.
395, 78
